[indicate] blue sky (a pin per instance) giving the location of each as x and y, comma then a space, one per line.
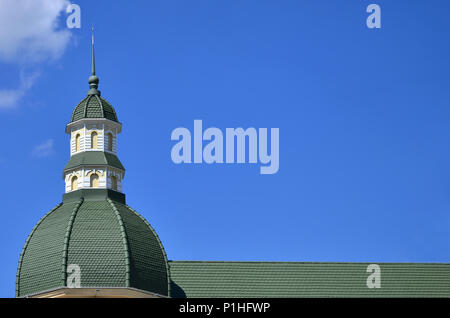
363, 116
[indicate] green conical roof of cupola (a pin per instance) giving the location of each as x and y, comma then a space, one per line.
93, 105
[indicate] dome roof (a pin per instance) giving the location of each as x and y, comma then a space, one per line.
94, 106
93, 228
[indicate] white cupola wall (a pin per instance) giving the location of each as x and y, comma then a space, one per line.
93, 136
94, 178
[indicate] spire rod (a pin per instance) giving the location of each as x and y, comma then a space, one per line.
93, 56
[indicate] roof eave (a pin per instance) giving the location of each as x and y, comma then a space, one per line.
116, 124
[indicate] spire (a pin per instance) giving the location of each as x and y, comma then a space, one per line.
93, 56
93, 79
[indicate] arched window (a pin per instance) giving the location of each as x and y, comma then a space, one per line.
94, 180
110, 142
94, 137
74, 183
77, 142
114, 183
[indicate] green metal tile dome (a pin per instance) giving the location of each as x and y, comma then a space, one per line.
110, 242
94, 106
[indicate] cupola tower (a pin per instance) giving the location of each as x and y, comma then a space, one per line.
93, 132
93, 244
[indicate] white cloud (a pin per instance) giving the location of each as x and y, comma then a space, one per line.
28, 30
43, 150
29, 36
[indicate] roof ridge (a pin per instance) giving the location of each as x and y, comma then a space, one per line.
73, 112
19, 267
112, 108
313, 262
66, 242
101, 105
86, 105
160, 245
124, 241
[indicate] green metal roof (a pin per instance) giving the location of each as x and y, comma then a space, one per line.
94, 106
295, 279
113, 245
95, 158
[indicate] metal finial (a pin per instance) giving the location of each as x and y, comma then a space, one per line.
93, 79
